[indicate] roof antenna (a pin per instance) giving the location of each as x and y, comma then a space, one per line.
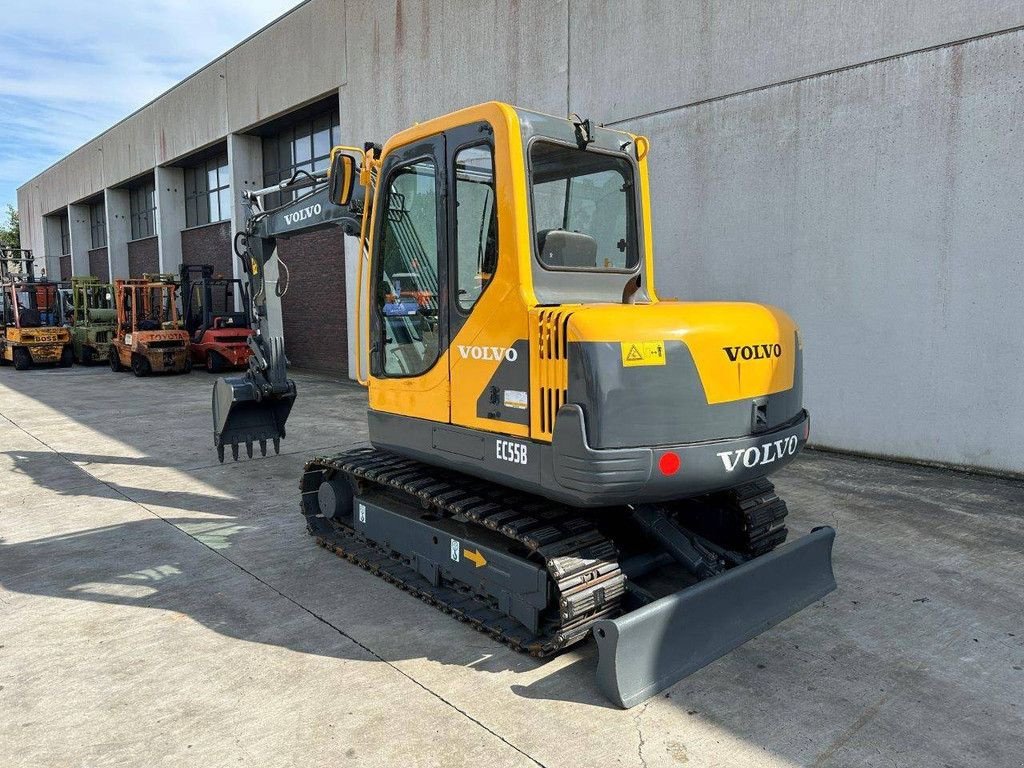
584, 132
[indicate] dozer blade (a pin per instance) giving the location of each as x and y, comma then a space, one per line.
649, 649
242, 416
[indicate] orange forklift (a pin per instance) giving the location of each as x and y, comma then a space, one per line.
149, 335
219, 333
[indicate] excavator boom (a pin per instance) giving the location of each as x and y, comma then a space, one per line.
252, 408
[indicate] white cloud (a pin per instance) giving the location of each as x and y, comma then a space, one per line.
70, 70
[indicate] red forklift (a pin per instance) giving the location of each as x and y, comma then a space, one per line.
219, 332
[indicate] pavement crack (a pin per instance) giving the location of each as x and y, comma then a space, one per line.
866, 716
640, 735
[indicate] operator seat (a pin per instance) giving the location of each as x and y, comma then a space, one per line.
562, 248
29, 318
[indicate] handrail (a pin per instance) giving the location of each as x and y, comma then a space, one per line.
363, 334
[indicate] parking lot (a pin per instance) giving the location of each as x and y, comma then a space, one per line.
158, 608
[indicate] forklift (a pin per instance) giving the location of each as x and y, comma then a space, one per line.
149, 337
30, 315
219, 334
91, 318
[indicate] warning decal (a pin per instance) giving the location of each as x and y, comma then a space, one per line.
643, 353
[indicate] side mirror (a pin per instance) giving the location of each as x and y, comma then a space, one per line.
341, 177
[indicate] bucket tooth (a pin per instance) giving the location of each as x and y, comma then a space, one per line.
248, 448
263, 447
220, 453
234, 451
277, 445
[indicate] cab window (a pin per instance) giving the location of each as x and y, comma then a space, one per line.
584, 210
407, 282
476, 224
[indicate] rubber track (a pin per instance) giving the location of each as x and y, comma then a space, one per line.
761, 515
582, 563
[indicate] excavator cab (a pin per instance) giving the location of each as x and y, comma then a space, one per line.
550, 437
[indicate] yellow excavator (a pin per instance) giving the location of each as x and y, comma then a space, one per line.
554, 451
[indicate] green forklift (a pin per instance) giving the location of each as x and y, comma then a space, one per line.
93, 319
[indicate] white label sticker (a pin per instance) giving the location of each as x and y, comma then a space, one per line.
456, 549
362, 513
515, 398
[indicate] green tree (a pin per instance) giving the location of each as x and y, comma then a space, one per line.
10, 232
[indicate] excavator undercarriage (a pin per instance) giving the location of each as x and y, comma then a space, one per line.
558, 573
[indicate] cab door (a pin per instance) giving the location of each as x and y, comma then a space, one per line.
408, 285
489, 355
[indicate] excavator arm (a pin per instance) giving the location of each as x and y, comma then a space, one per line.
253, 407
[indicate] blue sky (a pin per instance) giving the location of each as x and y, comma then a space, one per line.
69, 70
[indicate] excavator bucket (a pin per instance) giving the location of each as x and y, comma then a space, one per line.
649, 649
244, 415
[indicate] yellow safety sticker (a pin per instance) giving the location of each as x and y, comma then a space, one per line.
643, 353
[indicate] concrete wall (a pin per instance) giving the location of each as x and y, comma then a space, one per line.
245, 160
81, 238
880, 205
170, 216
430, 58
48, 257
854, 163
119, 231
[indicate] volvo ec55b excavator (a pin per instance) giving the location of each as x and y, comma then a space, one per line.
555, 450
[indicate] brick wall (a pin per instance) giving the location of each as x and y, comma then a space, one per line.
98, 264
143, 257
314, 308
209, 245
65, 267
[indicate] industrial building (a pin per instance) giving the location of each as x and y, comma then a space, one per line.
857, 164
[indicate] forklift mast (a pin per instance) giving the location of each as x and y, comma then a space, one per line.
200, 305
17, 265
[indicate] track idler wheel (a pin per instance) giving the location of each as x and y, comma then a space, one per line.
336, 499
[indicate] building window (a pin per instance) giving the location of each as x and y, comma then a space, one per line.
98, 225
142, 210
65, 235
207, 192
302, 146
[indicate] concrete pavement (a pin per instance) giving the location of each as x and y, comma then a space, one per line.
157, 608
